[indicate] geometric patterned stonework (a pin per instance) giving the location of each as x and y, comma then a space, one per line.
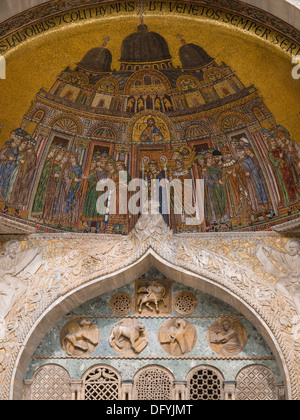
101, 383
205, 383
51, 382
256, 383
70, 265
153, 383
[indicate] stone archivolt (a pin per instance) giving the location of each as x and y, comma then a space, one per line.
70, 264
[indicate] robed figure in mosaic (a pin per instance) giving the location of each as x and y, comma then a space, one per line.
283, 171
90, 212
39, 200
215, 188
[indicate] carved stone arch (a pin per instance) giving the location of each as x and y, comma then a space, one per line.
119, 277
196, 131
153, 382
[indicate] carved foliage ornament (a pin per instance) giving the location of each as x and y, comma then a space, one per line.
185, 303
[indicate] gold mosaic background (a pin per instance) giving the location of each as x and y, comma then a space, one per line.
35, 64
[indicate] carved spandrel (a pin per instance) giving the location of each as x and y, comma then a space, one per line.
153, 297
286, 267
227, 337
17, 266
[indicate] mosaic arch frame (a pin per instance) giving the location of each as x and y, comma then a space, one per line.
50, 313
56, 8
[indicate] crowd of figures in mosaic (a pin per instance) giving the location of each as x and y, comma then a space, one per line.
151, 121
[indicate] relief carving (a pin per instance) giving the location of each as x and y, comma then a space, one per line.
227, 337
80, 338
153, 297
16, 269
128, 337
177, 337
185, 303
121, 304
286, 267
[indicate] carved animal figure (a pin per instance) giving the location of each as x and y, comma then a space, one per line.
155, 293
123, 331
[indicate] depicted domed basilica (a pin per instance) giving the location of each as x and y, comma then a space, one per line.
155, 122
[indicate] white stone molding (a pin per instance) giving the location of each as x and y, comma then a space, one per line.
12, 227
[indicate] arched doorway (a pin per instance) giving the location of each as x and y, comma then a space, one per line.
125, 282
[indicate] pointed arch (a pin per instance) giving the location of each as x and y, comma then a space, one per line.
123, 276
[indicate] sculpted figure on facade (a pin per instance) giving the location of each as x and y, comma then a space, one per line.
80, 338
227, 337
286, 267
16, 268
152, 295
129, 337
177, 337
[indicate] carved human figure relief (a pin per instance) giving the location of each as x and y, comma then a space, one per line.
128, 337
227, 337
286, 267
153, 297
16, 268
80, 338
177, 337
